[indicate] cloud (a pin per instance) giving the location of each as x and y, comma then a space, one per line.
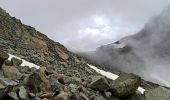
84, 24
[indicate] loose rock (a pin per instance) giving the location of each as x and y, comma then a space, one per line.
125, 85
22, 93
99, 83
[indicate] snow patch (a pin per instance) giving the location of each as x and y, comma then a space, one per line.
111, 76
24, 62
102, 72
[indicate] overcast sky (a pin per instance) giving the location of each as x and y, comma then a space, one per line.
85, 24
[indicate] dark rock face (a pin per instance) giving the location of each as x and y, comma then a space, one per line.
3, 57
125, 85
16, 62
136, 96
99, 83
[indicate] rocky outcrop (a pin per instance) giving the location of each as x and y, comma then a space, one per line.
125, 85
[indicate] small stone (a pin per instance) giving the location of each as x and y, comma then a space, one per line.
108, 94
32, 95
62, 96
72, 86
22, 93
49, 70
46, 95
83, 96
13, 95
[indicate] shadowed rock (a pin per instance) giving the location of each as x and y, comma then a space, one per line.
16, 62
3, 57
99, 83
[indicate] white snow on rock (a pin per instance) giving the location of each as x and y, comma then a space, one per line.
24, 62
111, 76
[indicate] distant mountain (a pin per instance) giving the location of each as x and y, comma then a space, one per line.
146, 53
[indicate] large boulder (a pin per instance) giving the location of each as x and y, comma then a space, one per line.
99, 83
3, 57
37, 82
159, 93
11, 72
125, 85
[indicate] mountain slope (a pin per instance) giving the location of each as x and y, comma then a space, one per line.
31, 45
46, 70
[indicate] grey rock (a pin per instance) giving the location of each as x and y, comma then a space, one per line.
22, 93
37, 82
8, 82
159, 93
73, 86
6, 85
3, 57
13, 95
32, 95
125, 85
99, 83
16, 62
11, 72
8, 63
83, 96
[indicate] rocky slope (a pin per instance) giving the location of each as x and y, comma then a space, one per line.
31, 45
61, 75
146, 53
